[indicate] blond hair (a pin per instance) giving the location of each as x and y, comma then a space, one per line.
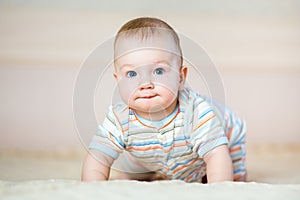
145, 27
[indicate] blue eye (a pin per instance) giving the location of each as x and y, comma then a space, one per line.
131, 74
159, 71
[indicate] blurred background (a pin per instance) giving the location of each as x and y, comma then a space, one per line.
254, 44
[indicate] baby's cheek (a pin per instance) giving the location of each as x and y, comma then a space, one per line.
126, 91
171, 84
171, 96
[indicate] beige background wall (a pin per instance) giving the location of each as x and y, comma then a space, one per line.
255, 46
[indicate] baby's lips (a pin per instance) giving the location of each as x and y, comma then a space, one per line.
148, 96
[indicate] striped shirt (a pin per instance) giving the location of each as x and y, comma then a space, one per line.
175, 146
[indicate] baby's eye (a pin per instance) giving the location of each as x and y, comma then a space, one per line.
131, 74
159, 71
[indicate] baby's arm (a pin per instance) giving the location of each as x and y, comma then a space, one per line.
218, 165
96, 167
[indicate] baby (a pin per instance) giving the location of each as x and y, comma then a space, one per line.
162, 129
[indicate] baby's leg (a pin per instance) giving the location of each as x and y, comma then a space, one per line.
239, 162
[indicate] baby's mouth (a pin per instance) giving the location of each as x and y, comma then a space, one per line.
147, 97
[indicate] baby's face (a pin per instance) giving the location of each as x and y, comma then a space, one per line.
149, 80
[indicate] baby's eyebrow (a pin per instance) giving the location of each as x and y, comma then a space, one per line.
127, 65
162, 62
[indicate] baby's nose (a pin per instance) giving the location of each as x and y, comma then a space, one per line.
147, 85
146, 80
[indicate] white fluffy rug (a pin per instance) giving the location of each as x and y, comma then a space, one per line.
63, 189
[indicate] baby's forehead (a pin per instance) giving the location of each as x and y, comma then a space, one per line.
149, 58
129, 43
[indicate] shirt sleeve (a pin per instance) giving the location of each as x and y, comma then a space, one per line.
236, 133
109, 137
208, 132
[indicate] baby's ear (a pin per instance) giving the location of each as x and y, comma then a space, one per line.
183, 75
115, 75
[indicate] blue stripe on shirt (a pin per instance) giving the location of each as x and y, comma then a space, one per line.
108, 151
182, 138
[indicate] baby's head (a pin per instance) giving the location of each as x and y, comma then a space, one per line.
147, 32
148, 66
